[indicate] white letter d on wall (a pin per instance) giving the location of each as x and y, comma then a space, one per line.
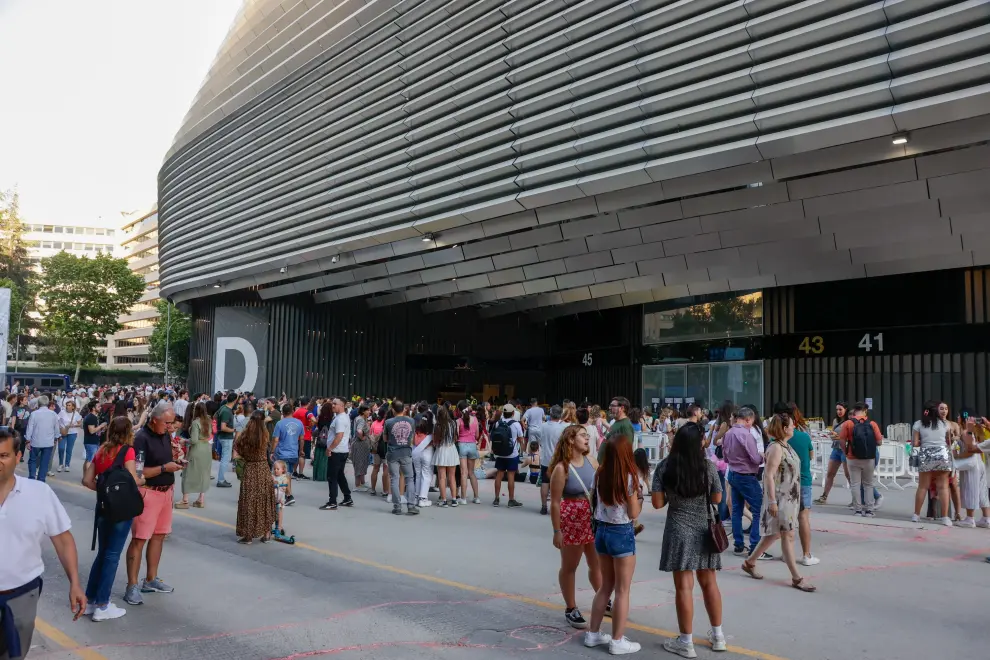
244, 347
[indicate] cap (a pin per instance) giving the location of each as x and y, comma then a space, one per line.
509, 408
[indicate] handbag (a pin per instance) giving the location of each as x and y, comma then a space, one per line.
592, 499
717, 537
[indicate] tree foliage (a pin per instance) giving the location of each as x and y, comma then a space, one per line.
15, 270
176, 326
81, 298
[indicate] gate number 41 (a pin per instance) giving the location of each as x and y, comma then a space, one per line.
867, 345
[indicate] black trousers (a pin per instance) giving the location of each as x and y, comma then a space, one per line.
335, 476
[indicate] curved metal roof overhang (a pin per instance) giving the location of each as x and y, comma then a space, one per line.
562, 149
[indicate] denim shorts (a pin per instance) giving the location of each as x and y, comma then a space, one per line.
805, 497
838, 455
468, 450
616, 541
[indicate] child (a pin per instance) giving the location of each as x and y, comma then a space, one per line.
281, 481
534, 461
643, 468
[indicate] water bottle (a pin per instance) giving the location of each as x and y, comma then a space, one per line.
139, 463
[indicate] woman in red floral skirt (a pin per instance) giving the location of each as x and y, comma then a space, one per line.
572, 476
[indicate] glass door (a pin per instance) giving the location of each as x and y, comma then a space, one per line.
664, 386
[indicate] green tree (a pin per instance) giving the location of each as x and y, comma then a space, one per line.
80, 300
13, 253
15, 270
176, 326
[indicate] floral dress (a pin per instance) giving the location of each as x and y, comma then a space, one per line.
787, 482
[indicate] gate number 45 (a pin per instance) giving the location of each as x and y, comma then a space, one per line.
586, 359
867, 345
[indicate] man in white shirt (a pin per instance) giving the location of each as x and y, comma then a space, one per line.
180, 405
337, 452
29, 512
507, 466
43, 430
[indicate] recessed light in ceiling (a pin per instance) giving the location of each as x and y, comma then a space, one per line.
900, 139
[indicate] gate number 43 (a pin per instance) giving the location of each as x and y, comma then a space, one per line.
867, 345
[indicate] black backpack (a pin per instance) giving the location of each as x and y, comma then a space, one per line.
501, 437
323, 437
117, 495
864, 443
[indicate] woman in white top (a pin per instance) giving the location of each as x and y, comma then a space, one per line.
619, 503
931, 437
70, 420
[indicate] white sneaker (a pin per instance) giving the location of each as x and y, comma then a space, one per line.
476, 500
424, 501
966, 522
59, 469
718, 643
983, 522
402, 499
809, 561
947, 521
878, 503
111, 611
90, 608
52, 474
624, 647
915, 518
461, 500
593, 639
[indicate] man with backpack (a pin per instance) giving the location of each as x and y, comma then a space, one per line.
860, 437
506, 437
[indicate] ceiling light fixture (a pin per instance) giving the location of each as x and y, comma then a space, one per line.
900, 139
427, 238
216, 286
335, 259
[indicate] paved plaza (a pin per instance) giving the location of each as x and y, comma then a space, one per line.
480, 582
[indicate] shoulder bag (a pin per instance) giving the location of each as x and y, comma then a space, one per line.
717, 538
592, 498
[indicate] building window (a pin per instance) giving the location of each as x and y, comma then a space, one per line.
719, 317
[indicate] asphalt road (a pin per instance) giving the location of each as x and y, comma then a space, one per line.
480, 582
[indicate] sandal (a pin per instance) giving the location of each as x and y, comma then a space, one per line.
182, 505
244, 541
199, 505
751, 571
801, 586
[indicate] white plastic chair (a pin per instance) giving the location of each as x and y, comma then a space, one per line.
886, 470
652, 443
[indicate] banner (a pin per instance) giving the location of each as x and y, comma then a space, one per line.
241, 350
4, 333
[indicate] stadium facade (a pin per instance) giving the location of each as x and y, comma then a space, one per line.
675, 200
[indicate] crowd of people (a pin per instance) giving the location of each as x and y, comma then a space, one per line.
723, 468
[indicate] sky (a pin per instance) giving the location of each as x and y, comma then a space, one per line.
92, 95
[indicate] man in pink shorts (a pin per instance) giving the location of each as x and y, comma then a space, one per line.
150, 528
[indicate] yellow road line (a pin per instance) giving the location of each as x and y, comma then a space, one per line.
66, 642
461, 585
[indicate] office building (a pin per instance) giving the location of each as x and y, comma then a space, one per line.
128, 348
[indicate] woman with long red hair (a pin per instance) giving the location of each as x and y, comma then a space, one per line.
619, 503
